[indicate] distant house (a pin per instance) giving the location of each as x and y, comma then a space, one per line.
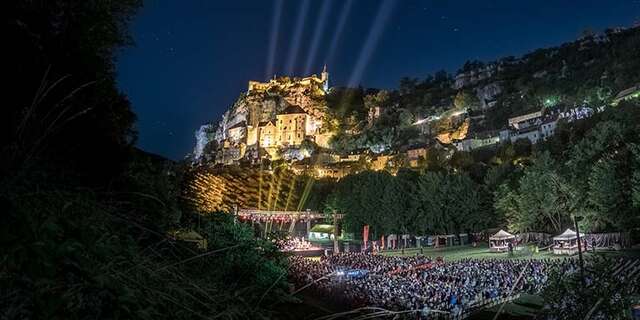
548, 128
380, 162
536, 133
626, 94
335, 171
478, 141
267, 134
352, 157
525, 121
416, 153
534, 127
374, 114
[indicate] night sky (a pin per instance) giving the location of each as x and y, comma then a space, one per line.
192, 59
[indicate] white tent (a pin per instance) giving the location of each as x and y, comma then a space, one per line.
566, 243
499, 242
502, 235
567, 235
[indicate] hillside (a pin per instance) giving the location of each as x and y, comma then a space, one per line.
465, 111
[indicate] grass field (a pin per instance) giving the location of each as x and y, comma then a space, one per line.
468, 251
482, 252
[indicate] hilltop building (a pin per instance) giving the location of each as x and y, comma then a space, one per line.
273, 116
292, 127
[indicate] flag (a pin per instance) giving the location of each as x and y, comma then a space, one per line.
365, 235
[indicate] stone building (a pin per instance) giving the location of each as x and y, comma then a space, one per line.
415, 154
267, 132
291, 126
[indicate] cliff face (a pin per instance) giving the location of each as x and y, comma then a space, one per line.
256, 121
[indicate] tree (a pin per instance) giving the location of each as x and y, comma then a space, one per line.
606, 197
543, 199
80, 121
445, 204
603, 166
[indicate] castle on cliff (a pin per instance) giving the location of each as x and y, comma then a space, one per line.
274, 117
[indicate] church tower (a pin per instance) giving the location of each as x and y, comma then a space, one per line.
324, 76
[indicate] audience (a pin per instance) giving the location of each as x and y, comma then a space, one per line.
420, 283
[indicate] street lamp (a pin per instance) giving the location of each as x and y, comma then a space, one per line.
577, 219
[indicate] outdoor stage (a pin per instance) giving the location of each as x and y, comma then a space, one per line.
311, 252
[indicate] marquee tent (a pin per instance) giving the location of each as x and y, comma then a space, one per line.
566, 243
499, 242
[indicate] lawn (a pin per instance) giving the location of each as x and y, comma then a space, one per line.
468, 251
454, 253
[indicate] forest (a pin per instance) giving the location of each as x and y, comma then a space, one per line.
589, 168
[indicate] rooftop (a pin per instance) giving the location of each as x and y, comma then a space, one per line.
293, 109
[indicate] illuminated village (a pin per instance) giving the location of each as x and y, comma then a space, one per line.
286, 119
353, 160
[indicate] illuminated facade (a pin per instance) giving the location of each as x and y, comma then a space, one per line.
416, 154
291, 126
267, 132
318, 85
275, 115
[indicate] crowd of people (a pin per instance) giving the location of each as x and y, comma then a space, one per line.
421, 283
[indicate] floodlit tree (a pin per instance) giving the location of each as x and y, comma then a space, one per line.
543, 200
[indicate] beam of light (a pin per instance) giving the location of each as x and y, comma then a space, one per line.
346, 8
384, 12
305, 194
295, 43
277, 195
271, 183
291, 188
317, 35
275, 28
260, 186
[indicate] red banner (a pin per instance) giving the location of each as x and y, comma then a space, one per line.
423, 266
365, 235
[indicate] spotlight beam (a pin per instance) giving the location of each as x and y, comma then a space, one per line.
346, 8
384, 12
273, 44
317, 34
295, 43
